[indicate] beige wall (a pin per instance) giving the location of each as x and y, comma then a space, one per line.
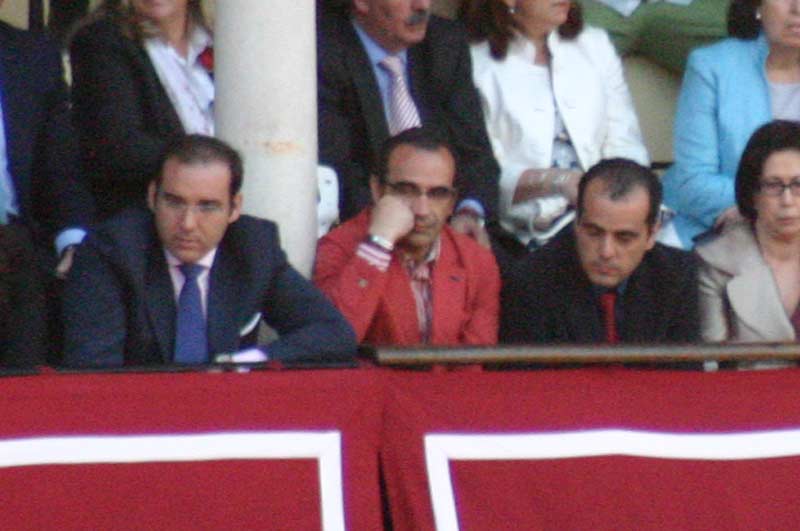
15, 12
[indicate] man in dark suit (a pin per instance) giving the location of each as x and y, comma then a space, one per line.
607, 280
42, 200
355, 90
191, 279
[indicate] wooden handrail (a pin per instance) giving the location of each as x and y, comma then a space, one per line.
588, 354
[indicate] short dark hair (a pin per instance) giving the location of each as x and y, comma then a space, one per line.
621, 176
742, 19
418, 137
201, 149
490, 20
778, 135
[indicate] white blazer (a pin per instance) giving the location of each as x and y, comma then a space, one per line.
590, 92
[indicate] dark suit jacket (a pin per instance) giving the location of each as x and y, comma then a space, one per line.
549, 299
352, 124
122, 112
119, 303
41, 151
40, 141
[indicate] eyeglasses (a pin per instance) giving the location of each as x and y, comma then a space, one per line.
180, 206
408, 190
777, 188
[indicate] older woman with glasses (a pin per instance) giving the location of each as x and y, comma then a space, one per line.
750, 273
142, 76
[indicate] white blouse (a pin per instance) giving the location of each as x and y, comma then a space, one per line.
189, 86
588, 89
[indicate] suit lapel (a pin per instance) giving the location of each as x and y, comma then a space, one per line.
641, 322
400, 306
449, 293
15, 99
582, 318
164, 111
755, 300
224, 297
582, 314
367, 91
160, 300
418, 81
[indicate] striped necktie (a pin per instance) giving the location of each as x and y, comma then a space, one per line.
402, 110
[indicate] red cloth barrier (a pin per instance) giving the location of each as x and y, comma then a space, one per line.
587, 450
218, 451
569, 449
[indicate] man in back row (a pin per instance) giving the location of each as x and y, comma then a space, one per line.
388, 65
608, 281
192, 278
397, 271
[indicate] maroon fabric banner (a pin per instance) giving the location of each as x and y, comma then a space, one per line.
280, 450
568, 449
593, 449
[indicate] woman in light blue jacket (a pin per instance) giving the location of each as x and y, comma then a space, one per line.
729, 90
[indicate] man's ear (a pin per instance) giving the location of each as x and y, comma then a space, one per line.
151, 195
376, 188
236, 208
651, 240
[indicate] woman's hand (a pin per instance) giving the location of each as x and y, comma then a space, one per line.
540, 182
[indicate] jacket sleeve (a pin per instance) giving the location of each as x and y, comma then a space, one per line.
478, 170
354, 285
310, 328
109, 103
685, 323
694, 186
94, 309
59, 166
623, 137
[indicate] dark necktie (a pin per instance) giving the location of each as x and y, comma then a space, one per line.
607, 302
191, 344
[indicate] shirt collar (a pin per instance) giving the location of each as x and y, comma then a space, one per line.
375, 51
199, 40
431, 257
206, 261
620, 289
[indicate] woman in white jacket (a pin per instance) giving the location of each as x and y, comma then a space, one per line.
555, 102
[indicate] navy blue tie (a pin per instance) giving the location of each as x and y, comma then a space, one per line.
191, 344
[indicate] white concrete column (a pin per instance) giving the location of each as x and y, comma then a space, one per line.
266, 106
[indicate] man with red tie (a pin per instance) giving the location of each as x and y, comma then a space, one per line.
606, 281
398, 272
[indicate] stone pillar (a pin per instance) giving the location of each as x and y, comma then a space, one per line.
266, 106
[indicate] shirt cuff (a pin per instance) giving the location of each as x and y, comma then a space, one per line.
67, 237
473, 205
249, 355
374, 255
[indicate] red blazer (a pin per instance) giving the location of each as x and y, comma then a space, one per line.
380, 306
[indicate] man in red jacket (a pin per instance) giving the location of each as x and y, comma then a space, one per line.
397, 271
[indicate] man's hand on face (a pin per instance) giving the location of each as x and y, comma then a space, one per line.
392, 218
471, 226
